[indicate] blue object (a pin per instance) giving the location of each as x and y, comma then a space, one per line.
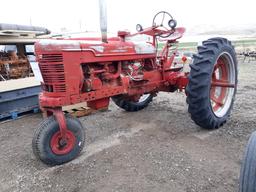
16, 102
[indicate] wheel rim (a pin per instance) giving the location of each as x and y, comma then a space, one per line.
144, 98
60, 146
222, 85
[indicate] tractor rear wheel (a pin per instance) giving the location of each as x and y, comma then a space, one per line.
212, 83
133, 104
248, 168
50, 148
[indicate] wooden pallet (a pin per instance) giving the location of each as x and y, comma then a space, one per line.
80, 110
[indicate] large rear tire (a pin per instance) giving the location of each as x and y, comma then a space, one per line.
130, 105
212, 83
48, 146
248, 168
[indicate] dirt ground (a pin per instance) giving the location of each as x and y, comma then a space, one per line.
156, 149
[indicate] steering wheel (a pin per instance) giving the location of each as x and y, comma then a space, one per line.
165, 20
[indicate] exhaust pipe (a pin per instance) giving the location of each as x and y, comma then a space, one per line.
103, 20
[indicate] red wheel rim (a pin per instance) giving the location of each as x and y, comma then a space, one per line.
222, 85
60, 146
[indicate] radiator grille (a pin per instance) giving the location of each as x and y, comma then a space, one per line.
52, 58
52, 69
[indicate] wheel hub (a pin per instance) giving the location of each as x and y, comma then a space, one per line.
61, 146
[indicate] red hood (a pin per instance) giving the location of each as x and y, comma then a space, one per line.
115, 46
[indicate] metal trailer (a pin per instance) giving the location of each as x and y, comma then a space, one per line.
19, 96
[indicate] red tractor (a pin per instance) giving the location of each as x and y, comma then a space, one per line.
130, 70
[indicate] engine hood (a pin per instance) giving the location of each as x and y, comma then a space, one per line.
113, 47
57, 45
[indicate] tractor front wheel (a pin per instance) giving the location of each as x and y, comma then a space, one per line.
50, 148
212, 83
133, 103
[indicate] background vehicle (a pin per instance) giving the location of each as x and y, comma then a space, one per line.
248, 168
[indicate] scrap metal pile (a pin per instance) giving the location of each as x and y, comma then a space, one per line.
13, 66
14, 63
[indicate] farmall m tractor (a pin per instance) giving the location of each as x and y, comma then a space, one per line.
131, 73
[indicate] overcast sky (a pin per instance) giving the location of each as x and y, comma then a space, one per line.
125, 14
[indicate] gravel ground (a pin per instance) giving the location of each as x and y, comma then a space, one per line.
156, 149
